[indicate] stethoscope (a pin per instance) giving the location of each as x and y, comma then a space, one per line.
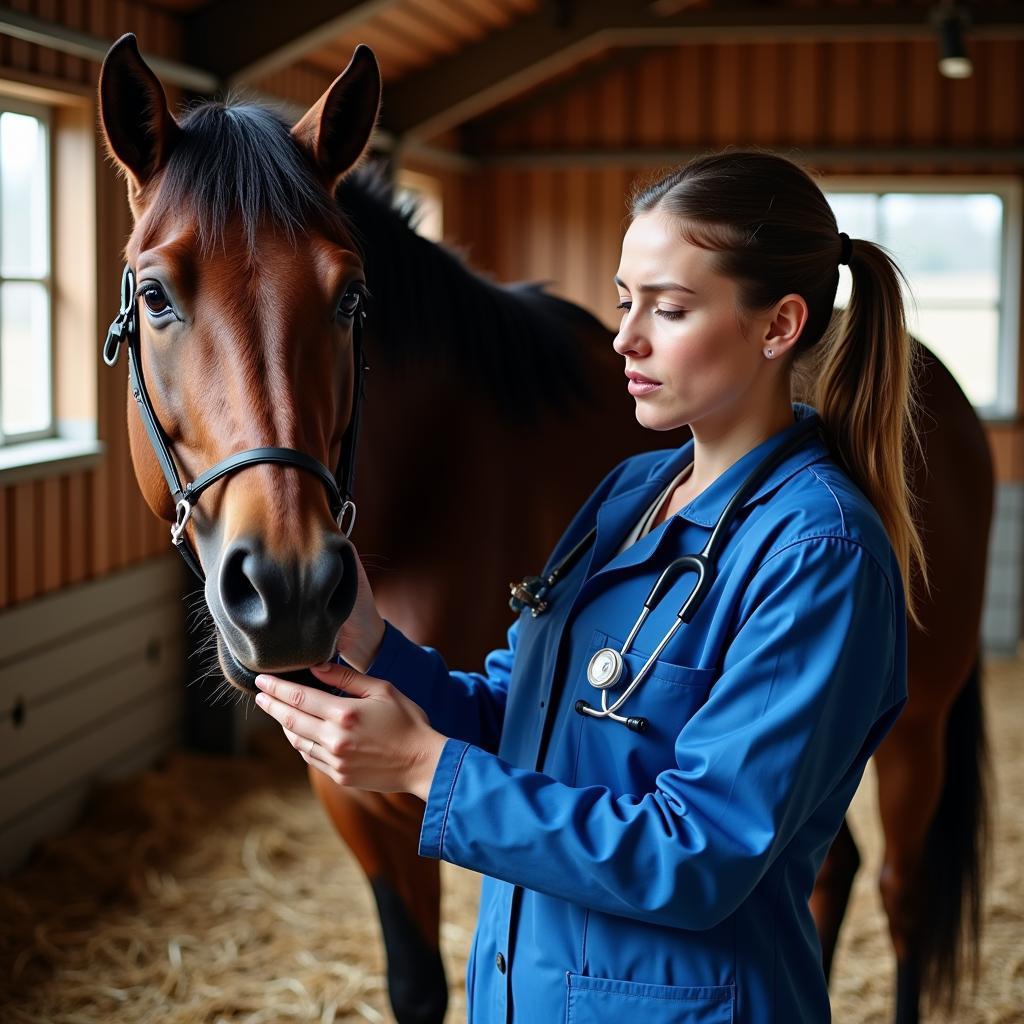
606, 667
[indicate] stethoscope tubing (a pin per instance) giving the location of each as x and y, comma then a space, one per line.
705, 567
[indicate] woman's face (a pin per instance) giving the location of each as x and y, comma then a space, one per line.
681, 330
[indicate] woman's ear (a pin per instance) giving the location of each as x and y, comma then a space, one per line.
136, 122
334, 131
786, 324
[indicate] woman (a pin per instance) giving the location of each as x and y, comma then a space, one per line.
666, 867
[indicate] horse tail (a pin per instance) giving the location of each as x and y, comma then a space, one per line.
956, 853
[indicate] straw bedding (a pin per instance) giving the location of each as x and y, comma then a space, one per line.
213, 891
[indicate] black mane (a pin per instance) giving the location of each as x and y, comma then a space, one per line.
525, 348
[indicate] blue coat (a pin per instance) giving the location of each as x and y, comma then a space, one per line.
667, 874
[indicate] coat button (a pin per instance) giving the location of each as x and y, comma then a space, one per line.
499, 962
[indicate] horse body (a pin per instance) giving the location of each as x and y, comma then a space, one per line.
492, 412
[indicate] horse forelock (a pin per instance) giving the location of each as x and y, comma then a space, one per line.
237, 162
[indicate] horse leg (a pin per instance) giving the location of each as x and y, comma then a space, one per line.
910, 777
932, 799
832, 891
932, 793
382, 830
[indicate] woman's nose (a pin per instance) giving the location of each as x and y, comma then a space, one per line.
630, 340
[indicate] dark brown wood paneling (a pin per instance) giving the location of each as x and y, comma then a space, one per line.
25, 536
860, 95
6, 546
68, 528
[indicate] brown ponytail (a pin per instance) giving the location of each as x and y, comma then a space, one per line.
864, 386
771, 230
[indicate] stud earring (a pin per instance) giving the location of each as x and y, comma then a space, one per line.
769, 353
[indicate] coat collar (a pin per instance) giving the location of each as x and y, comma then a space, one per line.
621, 512
708, 506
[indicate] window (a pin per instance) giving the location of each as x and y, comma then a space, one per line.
957, 242
26, 349
424, 193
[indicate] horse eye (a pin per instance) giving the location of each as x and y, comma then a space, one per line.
350, 301
156, 300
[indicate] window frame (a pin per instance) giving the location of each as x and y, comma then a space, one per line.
42, 112
1009, 189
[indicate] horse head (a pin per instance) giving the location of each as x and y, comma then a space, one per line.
246, 289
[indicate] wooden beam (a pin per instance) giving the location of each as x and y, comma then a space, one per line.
533, 49
550, 93
80, 44
896, 156
275, 35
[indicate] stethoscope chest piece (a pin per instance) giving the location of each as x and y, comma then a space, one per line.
605, 668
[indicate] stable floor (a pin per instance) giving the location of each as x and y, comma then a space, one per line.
214, 891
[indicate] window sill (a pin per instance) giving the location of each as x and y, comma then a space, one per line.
33, 460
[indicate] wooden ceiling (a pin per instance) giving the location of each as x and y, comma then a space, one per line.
412, 34
447, 62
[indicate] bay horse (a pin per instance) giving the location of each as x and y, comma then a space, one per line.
254, 247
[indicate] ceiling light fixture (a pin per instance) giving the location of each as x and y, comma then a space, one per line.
950, 22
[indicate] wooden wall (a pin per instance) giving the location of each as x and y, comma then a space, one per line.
520, 213
791, 97
556, 167
64, 529
90, 689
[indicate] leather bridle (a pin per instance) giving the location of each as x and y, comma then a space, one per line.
125, 327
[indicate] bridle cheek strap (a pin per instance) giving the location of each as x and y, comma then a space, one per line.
125, 328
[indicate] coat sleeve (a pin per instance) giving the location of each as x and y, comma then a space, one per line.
812, 680
468, 706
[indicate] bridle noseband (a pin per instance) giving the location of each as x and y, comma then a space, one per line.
125, 327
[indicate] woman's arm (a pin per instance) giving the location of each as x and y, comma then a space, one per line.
468, 706
810, 685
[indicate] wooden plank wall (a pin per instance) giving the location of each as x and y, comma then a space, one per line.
69, 528
564, 223
785, 96
520, 220
90, 688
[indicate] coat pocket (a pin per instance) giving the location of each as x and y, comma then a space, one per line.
607, 1001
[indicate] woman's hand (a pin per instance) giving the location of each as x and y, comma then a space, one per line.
360, 636
375, 738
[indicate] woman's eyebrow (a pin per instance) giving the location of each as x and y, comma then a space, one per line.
657, 286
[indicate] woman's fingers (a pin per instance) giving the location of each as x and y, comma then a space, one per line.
303, 712
305, 698
353, 683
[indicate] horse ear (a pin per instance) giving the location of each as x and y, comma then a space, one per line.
136, 122
335, 130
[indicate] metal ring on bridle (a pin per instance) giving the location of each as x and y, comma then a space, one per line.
349, 506
182, 514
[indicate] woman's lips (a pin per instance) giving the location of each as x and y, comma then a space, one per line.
640, 385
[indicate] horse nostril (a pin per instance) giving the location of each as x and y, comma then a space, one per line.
343, 594
240, 596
